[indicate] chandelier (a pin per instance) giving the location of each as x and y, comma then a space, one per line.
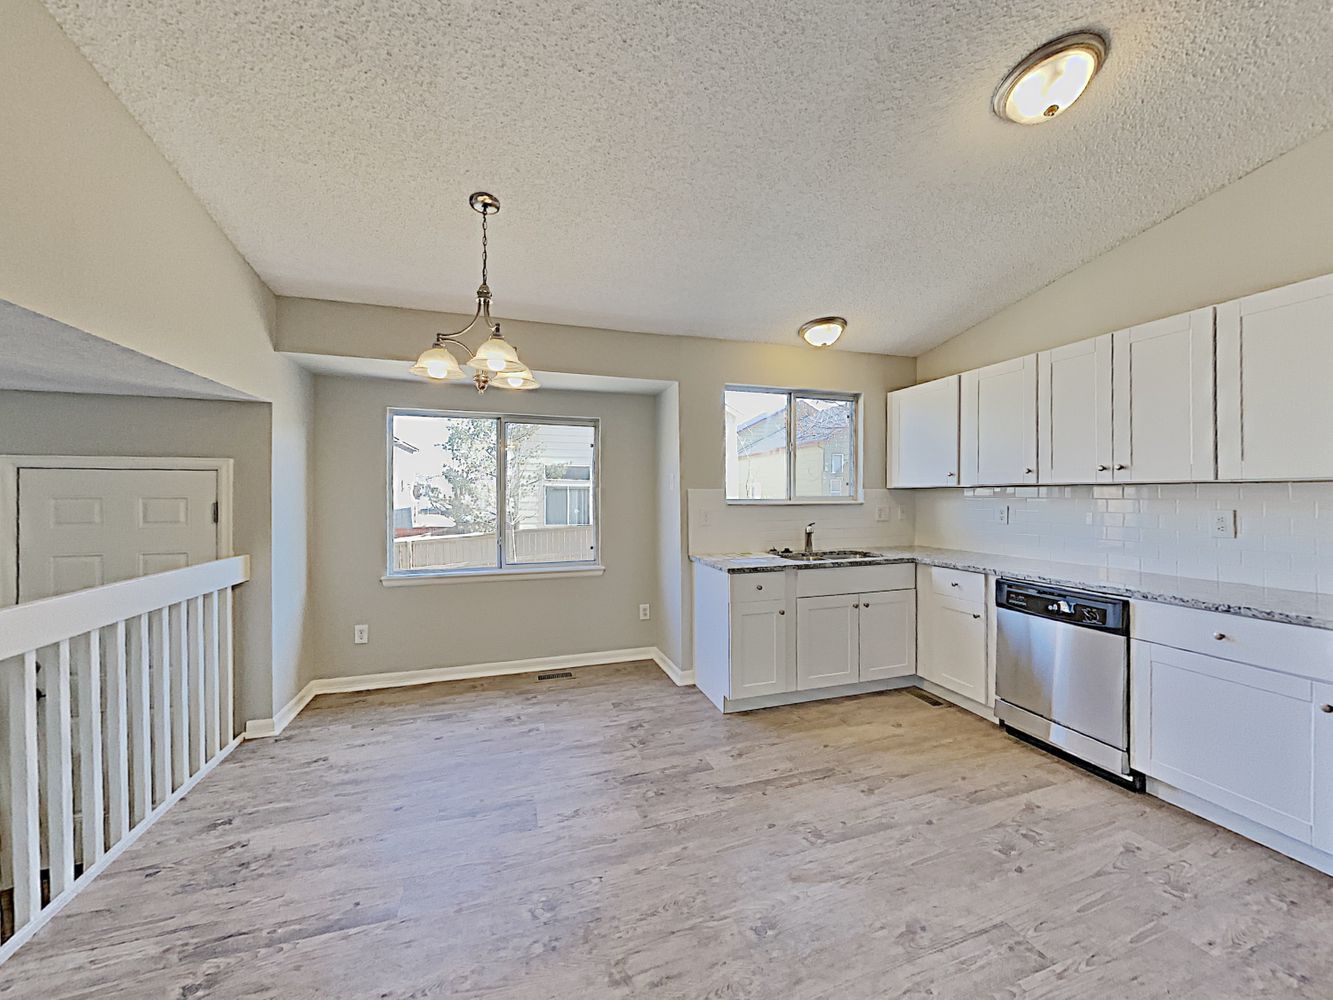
495, 362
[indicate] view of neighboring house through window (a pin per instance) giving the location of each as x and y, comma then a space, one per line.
452, 473
790, 445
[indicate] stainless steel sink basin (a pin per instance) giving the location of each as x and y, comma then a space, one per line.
821, 554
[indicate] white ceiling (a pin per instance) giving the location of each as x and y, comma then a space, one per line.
40, 354
724, 170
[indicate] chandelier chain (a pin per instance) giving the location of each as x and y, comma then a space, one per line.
483, 249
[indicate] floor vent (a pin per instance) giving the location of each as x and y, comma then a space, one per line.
927, 697
555, 675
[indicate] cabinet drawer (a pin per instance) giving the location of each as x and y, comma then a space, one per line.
747, 588
854, 580
957, 584
1292, 649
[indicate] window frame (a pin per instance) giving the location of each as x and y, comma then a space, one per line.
581, 567
854, 495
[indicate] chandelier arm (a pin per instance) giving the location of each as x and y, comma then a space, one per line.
440, 338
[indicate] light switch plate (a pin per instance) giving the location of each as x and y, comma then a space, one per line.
1224, 524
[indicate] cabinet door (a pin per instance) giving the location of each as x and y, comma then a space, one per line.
826, 641
758, 649
953, 649
1074, 412
1322, 720
1235, 735
999, 424
1163, 400
888, 634
1274, 367
923, 434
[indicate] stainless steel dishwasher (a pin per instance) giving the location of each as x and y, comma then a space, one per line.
1062, 673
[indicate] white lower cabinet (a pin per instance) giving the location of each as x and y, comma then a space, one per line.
952, 629
759, 649
848, 638
1250, 743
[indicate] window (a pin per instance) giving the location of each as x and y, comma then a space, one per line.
452, 473
790, 445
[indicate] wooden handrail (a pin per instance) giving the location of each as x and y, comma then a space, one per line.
25, 627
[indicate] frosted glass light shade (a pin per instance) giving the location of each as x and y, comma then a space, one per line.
1050, 79
439, 364
495, 354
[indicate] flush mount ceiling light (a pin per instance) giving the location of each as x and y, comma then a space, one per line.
1050, 79
495, 362
824, 331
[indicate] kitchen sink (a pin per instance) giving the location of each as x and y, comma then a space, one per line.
821, 554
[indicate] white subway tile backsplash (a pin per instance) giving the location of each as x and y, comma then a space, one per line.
1284, 537
716, 526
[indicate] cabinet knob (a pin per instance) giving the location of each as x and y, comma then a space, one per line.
1219, 636
1121, 468
1102, 468
1326, 708
949, 475
782, 611
976, 616
758, 586
1027, 472
856, 605
953, 583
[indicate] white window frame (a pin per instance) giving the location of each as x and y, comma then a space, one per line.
503, 570
853, 496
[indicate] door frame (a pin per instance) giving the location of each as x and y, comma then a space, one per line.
9, 513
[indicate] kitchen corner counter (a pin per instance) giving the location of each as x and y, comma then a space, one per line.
1293, 607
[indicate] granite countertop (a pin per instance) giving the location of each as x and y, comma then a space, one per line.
1294, 607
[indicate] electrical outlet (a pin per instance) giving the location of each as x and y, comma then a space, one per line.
1002, 514
883, 513
360, 634
645, 612
1224, 524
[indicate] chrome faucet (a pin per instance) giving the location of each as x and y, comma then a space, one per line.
810, 538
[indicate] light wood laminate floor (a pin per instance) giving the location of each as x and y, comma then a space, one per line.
613, 836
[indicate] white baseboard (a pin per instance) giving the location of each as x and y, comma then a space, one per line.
265, 728
43, 917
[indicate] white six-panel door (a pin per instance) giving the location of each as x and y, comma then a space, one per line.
998, 424
82, 528
923, 434
1074, 412
1274, 403
1163, 388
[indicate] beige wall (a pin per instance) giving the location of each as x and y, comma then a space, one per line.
1270, 228
669, 516
51, 423
453, 624
100, 233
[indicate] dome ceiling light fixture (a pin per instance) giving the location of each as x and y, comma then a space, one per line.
822, 332
495, 362
1049, 79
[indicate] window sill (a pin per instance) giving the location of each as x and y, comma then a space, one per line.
491, 575
805, 502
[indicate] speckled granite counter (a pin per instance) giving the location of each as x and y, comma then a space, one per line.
1295, 607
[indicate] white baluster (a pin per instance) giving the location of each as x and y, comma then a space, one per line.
88, 654
160, 622
180, 691
227, 670
59, 765
140, 716
21, 835
214, 704
198, 697
117, 735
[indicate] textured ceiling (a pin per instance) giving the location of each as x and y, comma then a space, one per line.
724, 170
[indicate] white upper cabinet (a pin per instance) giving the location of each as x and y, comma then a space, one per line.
1163, 391
923, 434
999, 424
1074, 412
1274, 404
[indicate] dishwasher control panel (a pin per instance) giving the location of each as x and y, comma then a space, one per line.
1087, 610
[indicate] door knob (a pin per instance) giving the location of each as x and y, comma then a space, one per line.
1326, 708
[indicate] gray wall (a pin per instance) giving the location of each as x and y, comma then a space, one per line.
463, 623
50, 423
